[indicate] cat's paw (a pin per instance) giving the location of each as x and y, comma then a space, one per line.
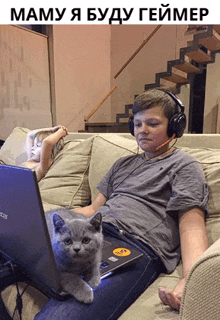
95, 282
77, 287
63, 293
85, 296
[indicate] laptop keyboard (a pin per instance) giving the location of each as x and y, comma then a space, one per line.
103, 265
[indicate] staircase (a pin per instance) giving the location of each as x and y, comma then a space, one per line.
192, 60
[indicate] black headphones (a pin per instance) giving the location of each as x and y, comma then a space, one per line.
177, 122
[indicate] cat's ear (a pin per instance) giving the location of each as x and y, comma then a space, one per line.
96, 221
58, 222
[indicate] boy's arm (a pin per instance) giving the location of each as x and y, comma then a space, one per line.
194, 242
90, 210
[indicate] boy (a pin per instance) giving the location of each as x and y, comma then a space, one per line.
156, 202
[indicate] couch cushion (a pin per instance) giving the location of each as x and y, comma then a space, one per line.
210, 161
106, 150
200, 298
148, 306
13, 150
66, 183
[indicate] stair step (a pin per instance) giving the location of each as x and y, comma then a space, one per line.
99, 127
106, 127
199, 56
126, 114
189, 43
100, 124
176, 78
211, 43
195, 30
217, 28
122, 115
187, 67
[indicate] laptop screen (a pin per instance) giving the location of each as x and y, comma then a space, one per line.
23, 231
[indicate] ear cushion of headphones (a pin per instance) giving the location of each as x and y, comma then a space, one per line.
131, 125
177, 125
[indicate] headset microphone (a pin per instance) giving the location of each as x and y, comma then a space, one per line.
165, 143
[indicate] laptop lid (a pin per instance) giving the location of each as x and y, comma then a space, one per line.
116, 255
23, 231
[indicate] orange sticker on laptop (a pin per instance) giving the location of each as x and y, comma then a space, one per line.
121, 252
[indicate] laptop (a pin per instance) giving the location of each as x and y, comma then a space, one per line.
25, 238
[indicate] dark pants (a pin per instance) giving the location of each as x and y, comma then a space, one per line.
116, 292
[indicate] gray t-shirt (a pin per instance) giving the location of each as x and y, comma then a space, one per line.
145, 196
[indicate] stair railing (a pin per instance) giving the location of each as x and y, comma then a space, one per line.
100, 104
120, 71
138, 50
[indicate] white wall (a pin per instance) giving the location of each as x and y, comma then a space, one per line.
24, 80
82, 73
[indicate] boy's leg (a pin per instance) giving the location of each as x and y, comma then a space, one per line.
113, 296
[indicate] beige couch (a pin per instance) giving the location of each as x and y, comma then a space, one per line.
72, 180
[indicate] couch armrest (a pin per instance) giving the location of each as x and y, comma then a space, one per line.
201, 296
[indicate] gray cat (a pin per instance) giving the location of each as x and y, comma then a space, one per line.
77, 247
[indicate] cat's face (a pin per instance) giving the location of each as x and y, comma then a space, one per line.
77, 238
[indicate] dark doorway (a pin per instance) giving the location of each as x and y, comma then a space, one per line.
40, 28
197, 102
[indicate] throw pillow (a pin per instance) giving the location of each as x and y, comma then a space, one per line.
13, 150
105, 151
66, 182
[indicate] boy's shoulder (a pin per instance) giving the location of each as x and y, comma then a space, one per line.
183, 155
181, 159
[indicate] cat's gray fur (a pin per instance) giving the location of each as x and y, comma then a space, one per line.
77, 247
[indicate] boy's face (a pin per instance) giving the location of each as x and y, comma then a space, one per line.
150, 130
36, 150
